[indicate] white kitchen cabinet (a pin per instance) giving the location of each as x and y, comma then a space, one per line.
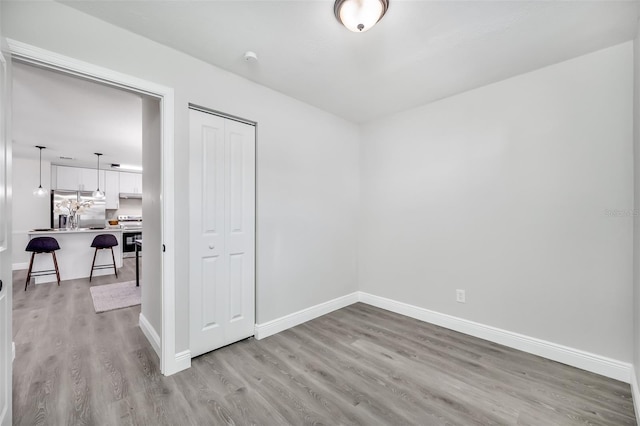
130, 183
112, 190
77, 178
88, 179
67, 178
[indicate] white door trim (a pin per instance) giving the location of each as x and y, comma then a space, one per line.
6, 410
25, 52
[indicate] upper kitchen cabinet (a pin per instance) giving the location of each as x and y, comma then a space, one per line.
65, 178
112, 190
130, 183
76, 178
88, 179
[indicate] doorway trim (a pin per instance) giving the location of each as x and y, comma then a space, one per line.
170, 362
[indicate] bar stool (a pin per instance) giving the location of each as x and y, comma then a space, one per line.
42, 245
104, 241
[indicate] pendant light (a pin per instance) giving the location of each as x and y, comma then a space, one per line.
40, 191
360, 15
97, 193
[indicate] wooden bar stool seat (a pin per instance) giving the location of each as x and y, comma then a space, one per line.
100, 242
40, 245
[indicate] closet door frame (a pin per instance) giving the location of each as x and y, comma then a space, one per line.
211, 247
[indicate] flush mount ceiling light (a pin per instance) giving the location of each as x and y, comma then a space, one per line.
40, 191
360, 15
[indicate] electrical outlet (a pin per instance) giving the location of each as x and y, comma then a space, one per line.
460, 296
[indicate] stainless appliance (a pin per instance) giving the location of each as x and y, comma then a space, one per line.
130, 195
58, 219
131, 231
93, 216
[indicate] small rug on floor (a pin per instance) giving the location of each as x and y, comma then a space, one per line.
115, 296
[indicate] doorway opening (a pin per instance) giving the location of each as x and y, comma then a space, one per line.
158, 102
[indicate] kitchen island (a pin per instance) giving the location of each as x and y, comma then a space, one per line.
76, 254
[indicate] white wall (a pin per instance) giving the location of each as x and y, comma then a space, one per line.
307, 159
126, 206
29, 211
502, 191
152, 213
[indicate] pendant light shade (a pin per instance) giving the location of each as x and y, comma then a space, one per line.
97, 193
40, 191
360, 15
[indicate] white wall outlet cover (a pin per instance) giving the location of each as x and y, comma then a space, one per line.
460, 296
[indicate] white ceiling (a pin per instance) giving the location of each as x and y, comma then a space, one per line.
73, 117
421, 51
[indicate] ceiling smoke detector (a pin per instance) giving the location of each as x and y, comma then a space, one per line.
250, 56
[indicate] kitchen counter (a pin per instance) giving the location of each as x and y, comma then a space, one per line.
76, 254
74, 231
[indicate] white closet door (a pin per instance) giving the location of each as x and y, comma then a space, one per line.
222, 231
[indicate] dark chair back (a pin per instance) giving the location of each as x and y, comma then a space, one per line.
104, 241
43, 245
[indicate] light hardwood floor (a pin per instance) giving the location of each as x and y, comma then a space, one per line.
358, 365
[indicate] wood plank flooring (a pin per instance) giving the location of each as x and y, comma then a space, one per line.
356, 366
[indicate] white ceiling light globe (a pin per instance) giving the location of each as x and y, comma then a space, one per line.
360, 15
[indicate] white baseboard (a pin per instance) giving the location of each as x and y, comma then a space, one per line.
575, 357
150, 333
183, 360
588, 361
635, 392
20, 266
280, 324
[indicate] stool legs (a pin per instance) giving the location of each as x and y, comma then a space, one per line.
33, 254
55, 263
114, 262
93, 263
